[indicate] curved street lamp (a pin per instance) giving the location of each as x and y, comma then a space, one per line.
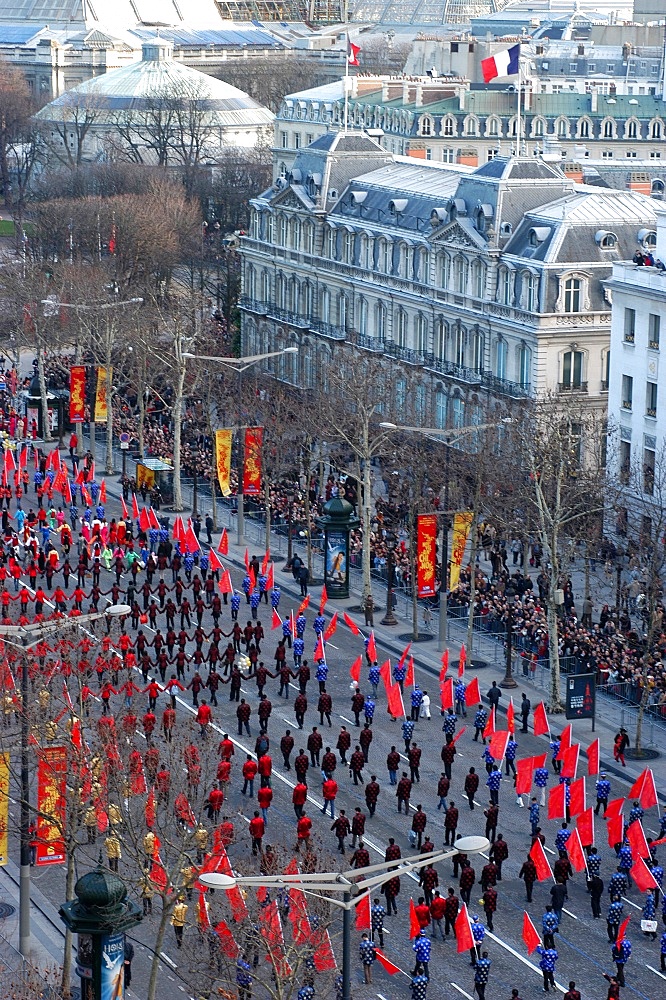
240, 365
450, 434
341, 882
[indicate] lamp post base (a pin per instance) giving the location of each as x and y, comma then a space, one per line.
389, 619
508, 681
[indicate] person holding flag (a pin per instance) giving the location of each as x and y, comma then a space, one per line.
549, 957
481, 975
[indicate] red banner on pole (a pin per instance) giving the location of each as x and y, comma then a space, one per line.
252, 466
77, 394
51, 804
426, 545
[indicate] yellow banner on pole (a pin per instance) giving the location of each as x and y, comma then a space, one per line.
101, 394
223, 459
462, 522
4, 807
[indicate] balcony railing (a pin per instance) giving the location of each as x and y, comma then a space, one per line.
572, 387
651, 411
326, 329
253, 305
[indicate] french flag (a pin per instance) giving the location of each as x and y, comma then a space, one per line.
505, 63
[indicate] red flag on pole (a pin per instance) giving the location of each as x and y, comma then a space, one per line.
303, 605
385, 964
227, 942
637, 788
623, 930
265, 561
67, 493
154, 522
593, 758
530, 934
124, 509
556, 802
409, 676
565, 742
648, 795
446, 692
614, 808
329, 631
575, 849
355, 669
636, 838
414, 925
490, 724
463, 929
577, 801
404, 654
320, 653
511, 717
277, 621
135, 506
540, 720
372, 648
323, 599
385, 674
270, 578
498, 743
459, 734
226, 586
570, 761
351, 625
214, 560
363, 914
472, 693
445, 665
615, 829
642, 875
144, 520
395, 705
538, 856
247, 561
223, 544
178, 531
585, 826
525, 769
462, 660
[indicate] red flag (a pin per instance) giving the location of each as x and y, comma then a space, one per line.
414, 925
498, 742
472, 694
247, 561
158, 875
324, 959
641, 874
319, 653
622, 931
637, 787
144, 520
463, 929
585, 826
363, 914
10, 464
178, 530
538, 856
490, 724
214, 560
322, 600
277, 621
593, 758
372, 648
577, 801
570, 761
226, 586
404, 653
124, 509
227, 942
636, 838
462, 660
298, 910
329, 631
446, 692
270, 578
540, 720
202, 912
265, 561
102, 492
223, 544
355, 669
565, 742
511, 717
394, 703
459, 734
303, 605
615, 830
525, 768
530, 934
352, 626
67, 493
154, 522
191, 541
385, 964
614, 808
135, 505
445, 664
540, 760
556, 802
648, 795
385, 674
575, 850
409, 676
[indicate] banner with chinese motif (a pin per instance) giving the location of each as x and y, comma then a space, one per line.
101, 411
252, 465
223, 459
426, 545
77, 394
51, 805
4, 807
462, 522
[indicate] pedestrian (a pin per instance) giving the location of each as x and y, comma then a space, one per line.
550, 925
534, 815
498, 853
621, 953
491, 814
450, 825
481, 975
451, 907
329, 791
422, 948
603, 787
419, 986
443, 786
419, 820
490, 905
572, 993
620, 744
525, 706
493, 783
127, 964
437, 913
368, 955
480, 719
614, 919
341, 827
178, 918
547, 965
403, 792
377, 914
257, 830
372, 794
596, 887
471, 786
528, 872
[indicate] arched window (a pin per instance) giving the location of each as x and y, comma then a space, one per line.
426, 125
342, 311
529, 291
572, 295
380, 322
608, 129
458, 411
400, 328
631, 130
478, 351
348, 248
562, 128
500, 359
459, 344
255, 225
525, 366
281, 292
572, 369
282, 231
325, 305
421, 333
445, 270
363, 317
493, 126
420, 404
471, 126
406, 265
439, 345
265, 286
424, 267
537, 128
655, 130
386, 256
440, 409
270, 224
584, 128
309, 238
504, 286
307, 295
448, 126
331, 243
461, 271
250, 282
479, 279
308, 370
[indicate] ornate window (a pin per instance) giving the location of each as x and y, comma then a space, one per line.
459, 344
572, 369
325, 305
282, 231
573, 295
400, 327
460, 275
631, 129
538, 128
524, 365
458, 411
530, 291
421, 333
501, 353
380, 322
309, 238
363, 317
608, 129
449, 126
440, 408
478, 279
584, 128
342, 311
656, 129
471, 125
445, 270
426, 125
504, 286
479, 351
439, 345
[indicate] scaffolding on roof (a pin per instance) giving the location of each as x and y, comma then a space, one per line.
311, 11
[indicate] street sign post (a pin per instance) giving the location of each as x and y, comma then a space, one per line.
581, 697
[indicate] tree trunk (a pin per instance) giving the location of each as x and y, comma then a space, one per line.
553, 655
177, 415
159, 941
109, 406
70, 881
46, 432
638, 739
367, 518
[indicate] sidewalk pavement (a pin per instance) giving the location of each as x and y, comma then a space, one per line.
47, 929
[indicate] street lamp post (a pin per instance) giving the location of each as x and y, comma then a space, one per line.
509, 681
290, 516
365, 881
390, 542
450, 434
26, 635
240, 365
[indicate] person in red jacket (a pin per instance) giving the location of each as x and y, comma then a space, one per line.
215, 803
303, 828
299, 798
329, 791
249, 774
257, 829
422, 912
148, 722
226, 748
264, 798
437, 913
265, 768
204, 717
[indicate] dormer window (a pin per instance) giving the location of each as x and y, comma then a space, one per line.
606, 241
426, 125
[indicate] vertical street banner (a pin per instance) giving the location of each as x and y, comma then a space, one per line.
462, 522
252, 465
223, 459
51, 805
581, 696
4, 807
426, 546
101, 401
77, 394
112, 967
